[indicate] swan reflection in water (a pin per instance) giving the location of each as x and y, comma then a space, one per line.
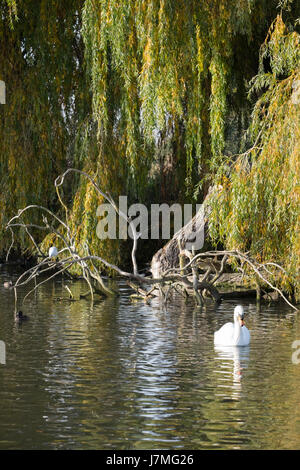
234, 362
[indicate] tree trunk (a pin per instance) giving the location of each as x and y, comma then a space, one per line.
168, 256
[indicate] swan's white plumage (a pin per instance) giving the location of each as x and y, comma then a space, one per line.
233, 334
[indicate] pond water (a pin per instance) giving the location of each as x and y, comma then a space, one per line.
127, 375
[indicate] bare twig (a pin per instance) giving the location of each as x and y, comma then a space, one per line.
185, 275
60, 180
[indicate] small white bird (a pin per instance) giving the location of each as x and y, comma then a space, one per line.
233, 334
8, 284
53, 252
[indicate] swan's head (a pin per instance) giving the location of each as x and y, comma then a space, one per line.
239, 314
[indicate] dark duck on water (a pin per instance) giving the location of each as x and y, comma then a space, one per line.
20, 317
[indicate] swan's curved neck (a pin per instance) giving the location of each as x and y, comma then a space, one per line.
237, 330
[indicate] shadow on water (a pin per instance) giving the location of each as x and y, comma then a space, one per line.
127, 375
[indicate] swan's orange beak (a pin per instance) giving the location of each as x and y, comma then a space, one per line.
242, 323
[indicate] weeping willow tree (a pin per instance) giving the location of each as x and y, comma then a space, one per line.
41, 61
169, 90
258, 209
165, 75
163, 100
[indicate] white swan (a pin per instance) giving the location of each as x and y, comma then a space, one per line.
233, 334
53, 252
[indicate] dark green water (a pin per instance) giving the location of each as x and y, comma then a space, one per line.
131, 376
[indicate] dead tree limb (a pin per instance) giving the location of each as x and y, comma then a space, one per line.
165, 275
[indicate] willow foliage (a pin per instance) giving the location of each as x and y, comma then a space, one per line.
41, 61
148, 97
258, 208
165, 78
12, 9
162, 71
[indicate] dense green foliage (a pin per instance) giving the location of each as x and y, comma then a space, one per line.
152, 99
41, 59
165, 77
258, 208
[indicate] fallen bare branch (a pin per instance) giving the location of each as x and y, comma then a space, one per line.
184, 276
